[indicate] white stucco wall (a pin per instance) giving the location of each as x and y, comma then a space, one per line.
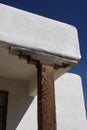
28, 30
70, 110
70, 103
25, 29
18, 101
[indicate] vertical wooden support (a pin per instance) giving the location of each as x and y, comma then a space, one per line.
46, 98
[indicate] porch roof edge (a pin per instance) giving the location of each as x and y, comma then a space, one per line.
28, 30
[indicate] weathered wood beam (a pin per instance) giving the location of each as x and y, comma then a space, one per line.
46, 64
46, 98
34, 56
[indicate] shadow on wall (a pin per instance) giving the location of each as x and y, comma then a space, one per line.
20, 116
29, 120
85, 95
16, 114
18, 101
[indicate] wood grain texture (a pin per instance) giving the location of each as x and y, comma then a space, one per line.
34, 56
46, 98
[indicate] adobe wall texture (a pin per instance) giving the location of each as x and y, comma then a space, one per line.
70, 109
25, 29
18, 101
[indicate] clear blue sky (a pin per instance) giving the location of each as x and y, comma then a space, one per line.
69, 11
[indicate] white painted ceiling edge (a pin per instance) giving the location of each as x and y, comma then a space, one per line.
28, 30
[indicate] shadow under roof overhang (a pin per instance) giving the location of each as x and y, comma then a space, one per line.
36, 38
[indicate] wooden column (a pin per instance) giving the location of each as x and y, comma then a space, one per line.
46, 98
45, 81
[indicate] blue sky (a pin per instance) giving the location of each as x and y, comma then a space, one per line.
70, 11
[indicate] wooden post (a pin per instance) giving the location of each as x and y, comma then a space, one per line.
46, 98
45, 81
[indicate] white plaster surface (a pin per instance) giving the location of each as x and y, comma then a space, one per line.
70, 110
25, 29
18, 101
70, 103
19, 68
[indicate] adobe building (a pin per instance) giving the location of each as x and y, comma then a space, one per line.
36, 93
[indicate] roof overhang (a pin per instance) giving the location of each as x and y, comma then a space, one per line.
29, 35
